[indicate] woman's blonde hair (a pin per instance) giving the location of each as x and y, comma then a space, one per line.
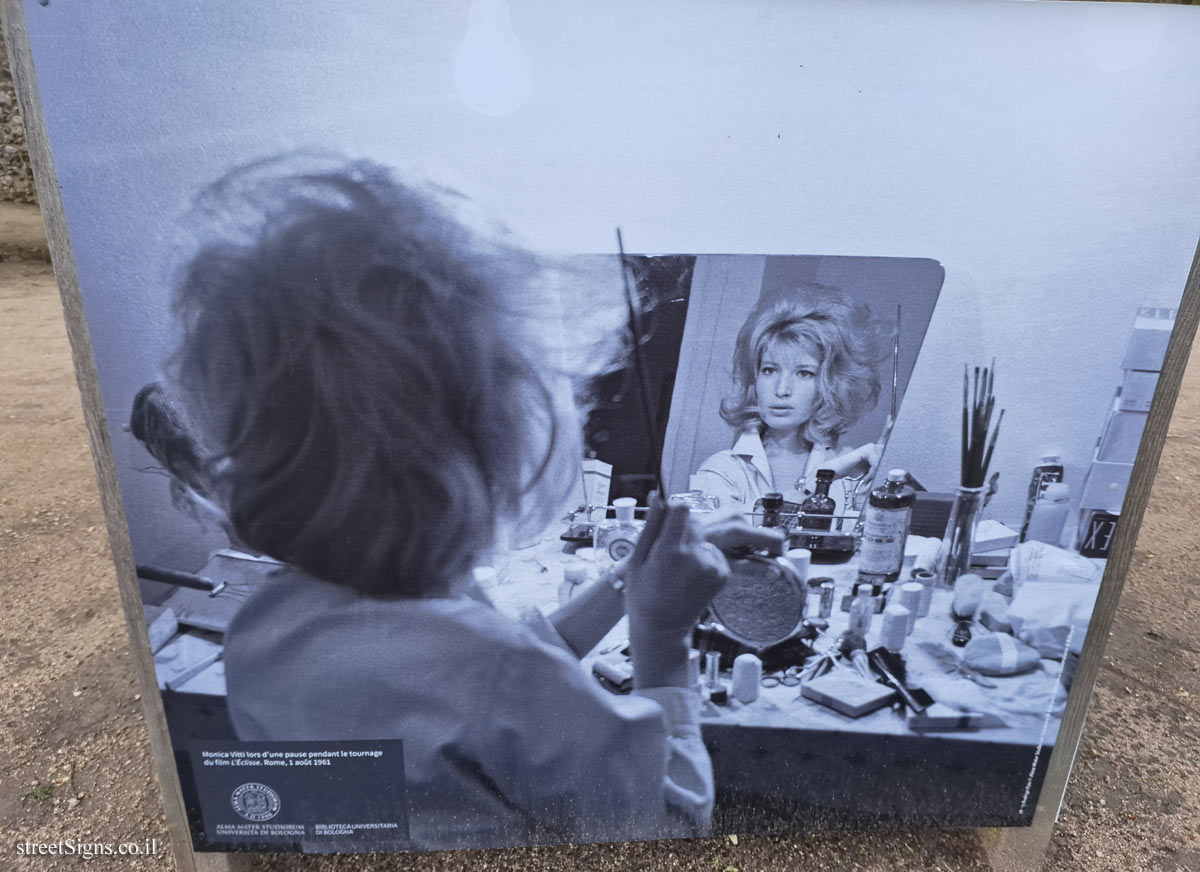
849, 345
382, 382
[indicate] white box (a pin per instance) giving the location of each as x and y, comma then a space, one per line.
1122, 436
1105, 486
991, 535
1148, 342
1137, 390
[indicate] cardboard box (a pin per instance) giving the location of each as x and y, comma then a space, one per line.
1105, 486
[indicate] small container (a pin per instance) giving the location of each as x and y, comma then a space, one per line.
712, 669
1049, 514
895, 627
861, 611
616, 538
772, 505
827, 594
574, 574
909, 595
962, 634
928, 581
597, 485
747, 673
801, 558
694, 669
816, 512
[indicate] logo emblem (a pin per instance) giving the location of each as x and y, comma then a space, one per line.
256, 802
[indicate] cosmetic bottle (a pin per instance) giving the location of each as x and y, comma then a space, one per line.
615, 538
1049, 514
771, 505
816, 512
861, 611
885, 527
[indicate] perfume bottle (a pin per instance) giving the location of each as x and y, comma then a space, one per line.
817, 511
861, 611
615, 538
885, 527
772, 504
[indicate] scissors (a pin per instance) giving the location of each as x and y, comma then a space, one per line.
789, 677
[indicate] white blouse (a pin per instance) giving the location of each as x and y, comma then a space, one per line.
507, 741
742, 475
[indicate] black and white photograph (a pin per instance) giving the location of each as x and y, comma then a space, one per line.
544, 422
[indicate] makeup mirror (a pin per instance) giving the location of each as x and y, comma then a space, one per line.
724, 292
762, 604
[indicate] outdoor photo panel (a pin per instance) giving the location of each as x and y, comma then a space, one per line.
406, 317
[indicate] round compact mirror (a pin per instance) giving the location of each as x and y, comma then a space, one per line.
762, 603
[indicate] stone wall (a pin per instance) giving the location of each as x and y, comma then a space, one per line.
16, 178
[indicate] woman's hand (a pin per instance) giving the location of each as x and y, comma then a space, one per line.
670, 578
860, 461
673, 573
730, 532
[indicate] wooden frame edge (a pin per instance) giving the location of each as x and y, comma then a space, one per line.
21, 64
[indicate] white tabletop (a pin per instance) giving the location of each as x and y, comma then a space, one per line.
1023, 709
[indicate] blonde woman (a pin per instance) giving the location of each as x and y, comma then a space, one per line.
804, 372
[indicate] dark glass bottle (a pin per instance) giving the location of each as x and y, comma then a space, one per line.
885, 527
772, 504
817, 511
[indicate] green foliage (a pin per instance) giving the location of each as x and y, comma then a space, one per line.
40, 794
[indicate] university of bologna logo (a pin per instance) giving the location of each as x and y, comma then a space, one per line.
256, 802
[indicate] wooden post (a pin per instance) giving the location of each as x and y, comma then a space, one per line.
16, 36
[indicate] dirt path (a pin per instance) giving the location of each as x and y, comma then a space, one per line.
73, 755
73, 751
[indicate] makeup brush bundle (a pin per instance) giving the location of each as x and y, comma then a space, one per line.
979, 402
978, 442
